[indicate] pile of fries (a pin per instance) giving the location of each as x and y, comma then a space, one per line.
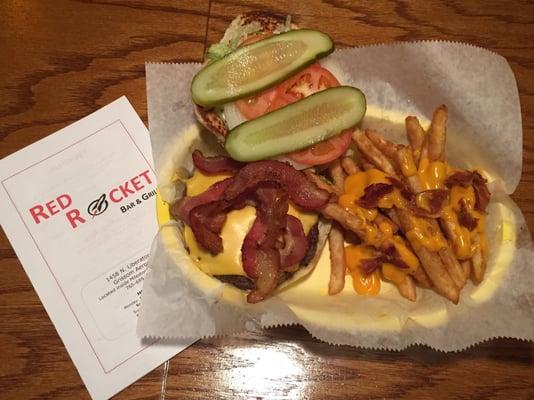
421, 223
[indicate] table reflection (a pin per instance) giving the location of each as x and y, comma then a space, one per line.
270, 371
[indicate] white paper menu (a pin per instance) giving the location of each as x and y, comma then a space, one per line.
79, 209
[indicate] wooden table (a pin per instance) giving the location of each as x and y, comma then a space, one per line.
62, 60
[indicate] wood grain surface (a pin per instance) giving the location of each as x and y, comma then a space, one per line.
63, 59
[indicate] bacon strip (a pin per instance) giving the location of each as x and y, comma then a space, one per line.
482, 193
182, 208
460, 178
295, 245
369, 265
263, 258
389, 255
276, 243
403, 188
301, 191
272, 206
429, 203
466, 219
207, 221
466, 178
249, 247
373, 193
215, 165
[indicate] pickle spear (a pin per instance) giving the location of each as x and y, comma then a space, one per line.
253, 68
297, 125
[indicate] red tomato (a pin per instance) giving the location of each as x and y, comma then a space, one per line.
323, 152
257, 105
311, 80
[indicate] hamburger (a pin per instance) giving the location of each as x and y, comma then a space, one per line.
263, 93
252, 221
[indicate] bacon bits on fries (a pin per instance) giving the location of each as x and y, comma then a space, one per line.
420, 221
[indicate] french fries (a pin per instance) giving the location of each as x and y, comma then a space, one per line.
322, 183
354, 223
337, 260
431, 236
478, 262
431, 262
407, 288
416, 136
337, 174
372, 153
349, 166
437, 134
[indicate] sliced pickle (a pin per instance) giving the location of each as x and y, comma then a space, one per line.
297, 125
253, 68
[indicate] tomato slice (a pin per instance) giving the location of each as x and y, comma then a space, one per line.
323, 152
257, 105
309, 81
313, 79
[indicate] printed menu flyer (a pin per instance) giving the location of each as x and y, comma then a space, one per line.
79, 209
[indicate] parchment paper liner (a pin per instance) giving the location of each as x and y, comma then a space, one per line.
411, 79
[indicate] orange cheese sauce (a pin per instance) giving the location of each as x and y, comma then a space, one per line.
368, 285
355, 185
407, 164
462, 243
432, 174
425, 232
354, 189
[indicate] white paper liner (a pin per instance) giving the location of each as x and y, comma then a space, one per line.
398, 80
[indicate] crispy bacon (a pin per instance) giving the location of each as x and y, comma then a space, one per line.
293, 251
272, 207
261, 263
373, 193
437, 198
215, 165
300, 190
429, 203
249, 247
465, 218
389, 255
276, 243
482, 193
466, 178
295, 245
268, 275
207, 221
369, 265
182, 208
460, 178
392, 256
260, 255
403, 188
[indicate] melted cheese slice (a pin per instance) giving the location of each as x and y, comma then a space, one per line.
236, 227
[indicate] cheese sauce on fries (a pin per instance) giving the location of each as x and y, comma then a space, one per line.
419, 220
